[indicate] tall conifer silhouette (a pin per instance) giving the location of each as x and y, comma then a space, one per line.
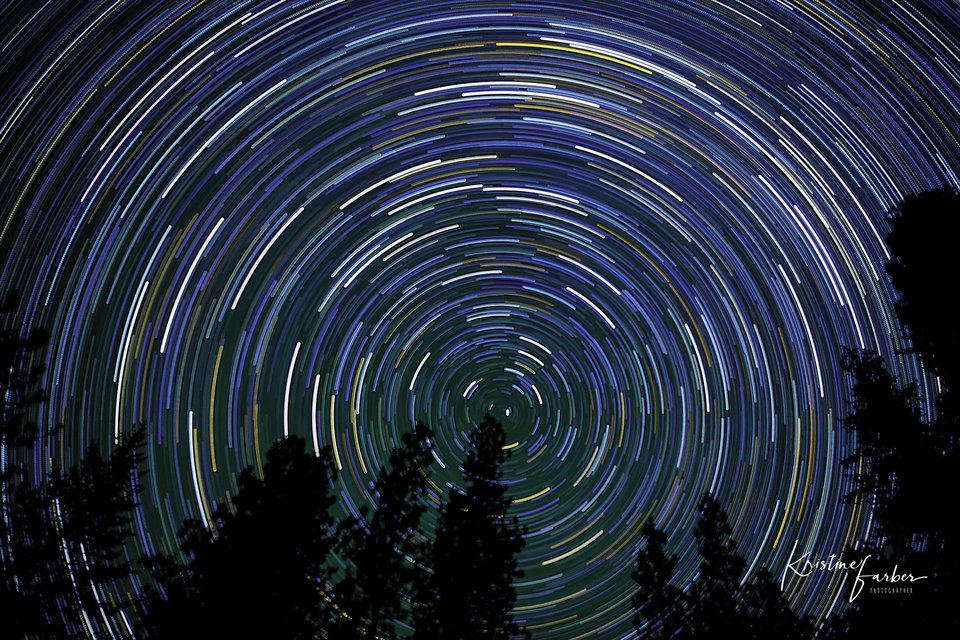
62, 540
470, 592
262, 571
714, 594
902, 462
22, 527
923, 234
387, 554
661, 614
767, 613
717, 604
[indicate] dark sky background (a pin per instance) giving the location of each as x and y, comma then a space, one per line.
639, 232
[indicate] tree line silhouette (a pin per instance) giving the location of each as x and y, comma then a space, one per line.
905, 467
274, 562
264, 566
718, 603
906, 464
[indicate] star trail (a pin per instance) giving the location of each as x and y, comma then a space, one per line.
639, 233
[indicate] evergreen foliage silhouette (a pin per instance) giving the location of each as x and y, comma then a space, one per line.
261, 572
715, 604
91, 507
714, 593
767, 613
659, 604
62, 541
895, 469
902, 462
21, 607
890, 437
470, 592
923, 233
388, 553
20, 375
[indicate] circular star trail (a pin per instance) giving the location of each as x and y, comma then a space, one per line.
640, 234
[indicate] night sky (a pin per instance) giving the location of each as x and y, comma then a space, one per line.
640, 233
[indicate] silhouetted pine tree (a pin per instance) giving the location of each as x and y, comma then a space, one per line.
67, 545
387, 554
470, 593
713, 596
891, 446
767, 613
261, 572
21, 608
715, 605
62, 541
893, 467
20, 375
922, 239
661, 613
923, 234
902, 464
92, 505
